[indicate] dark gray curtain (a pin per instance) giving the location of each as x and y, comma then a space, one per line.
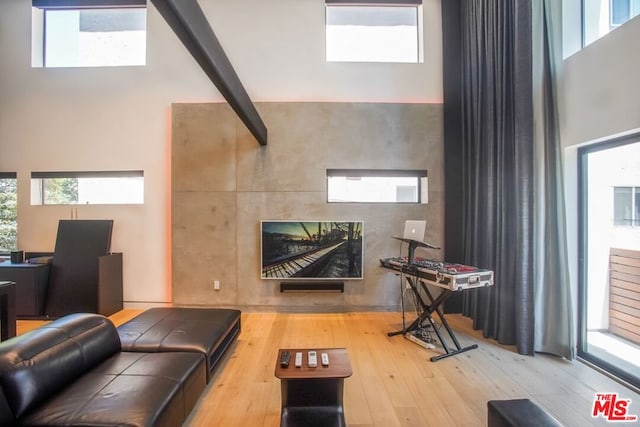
510, 186
496, 164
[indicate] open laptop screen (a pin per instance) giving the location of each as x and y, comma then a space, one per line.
414, 230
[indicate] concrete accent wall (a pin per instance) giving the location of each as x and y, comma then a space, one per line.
224, 183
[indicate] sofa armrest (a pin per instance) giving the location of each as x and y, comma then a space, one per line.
39, 363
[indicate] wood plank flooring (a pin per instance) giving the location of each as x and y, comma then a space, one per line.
394, 383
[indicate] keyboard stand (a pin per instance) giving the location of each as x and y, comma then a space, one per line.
426, 311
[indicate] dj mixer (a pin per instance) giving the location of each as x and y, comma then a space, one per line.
446, 275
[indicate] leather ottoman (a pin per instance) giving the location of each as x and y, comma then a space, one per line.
518, 413
209, 331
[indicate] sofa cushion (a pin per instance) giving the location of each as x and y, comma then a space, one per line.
36, 365
128, 389
205, 330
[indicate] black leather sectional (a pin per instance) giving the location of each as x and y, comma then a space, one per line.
75, 372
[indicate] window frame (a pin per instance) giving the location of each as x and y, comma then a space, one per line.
87, 4
421, 175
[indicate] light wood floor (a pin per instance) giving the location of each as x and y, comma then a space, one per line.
393, 381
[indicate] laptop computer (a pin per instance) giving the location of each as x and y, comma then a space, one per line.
414, 230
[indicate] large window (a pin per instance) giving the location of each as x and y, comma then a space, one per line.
609, 245
373, 31
84, 33
376, 186
602, 16
8, 212
87, 188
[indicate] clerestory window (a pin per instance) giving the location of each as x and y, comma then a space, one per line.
374, 31
88, 33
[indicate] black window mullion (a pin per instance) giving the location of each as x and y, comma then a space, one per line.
374, 2
418, 173
88, 174
86, 4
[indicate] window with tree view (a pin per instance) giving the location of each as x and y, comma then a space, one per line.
87, 188
8, 212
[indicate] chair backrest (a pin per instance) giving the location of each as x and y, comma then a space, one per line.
74, 270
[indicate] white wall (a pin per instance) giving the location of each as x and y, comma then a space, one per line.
600, 87
119, 118
599, 98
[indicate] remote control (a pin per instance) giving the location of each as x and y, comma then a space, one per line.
284, 359
325, 359
298, 359
313, 359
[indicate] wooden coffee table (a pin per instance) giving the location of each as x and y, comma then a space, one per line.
313, 396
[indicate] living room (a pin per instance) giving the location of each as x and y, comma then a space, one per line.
208, 184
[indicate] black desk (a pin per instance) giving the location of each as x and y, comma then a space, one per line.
31, 286
7, 310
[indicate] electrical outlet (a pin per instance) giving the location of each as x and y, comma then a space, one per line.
216, 285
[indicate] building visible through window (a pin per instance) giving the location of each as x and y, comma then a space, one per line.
75, 34
602, 16
373, 31
626, 206
376, 186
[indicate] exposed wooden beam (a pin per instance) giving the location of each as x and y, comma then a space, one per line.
191, 26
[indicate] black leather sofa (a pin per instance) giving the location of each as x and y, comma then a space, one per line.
73, 372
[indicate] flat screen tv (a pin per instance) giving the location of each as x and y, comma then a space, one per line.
311, 249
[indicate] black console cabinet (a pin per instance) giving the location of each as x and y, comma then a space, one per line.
108, 290
31, 286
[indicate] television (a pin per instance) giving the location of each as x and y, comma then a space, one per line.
324, 250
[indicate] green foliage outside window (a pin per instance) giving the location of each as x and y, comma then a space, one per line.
8, 215
61, 191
